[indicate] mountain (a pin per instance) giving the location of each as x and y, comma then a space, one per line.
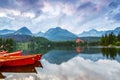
39, 34
115, 31
23, 31
95, 33
91, 39
91, 33
6, 31
59, 34
18, 38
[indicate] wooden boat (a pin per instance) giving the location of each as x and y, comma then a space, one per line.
17, 60
17, 53
37, 56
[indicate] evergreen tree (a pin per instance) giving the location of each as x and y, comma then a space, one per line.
111, 38
118, 37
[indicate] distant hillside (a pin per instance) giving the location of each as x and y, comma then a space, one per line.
92, 33
39, 34
95, 33
115, 31
23, 31
6, 31
18, 38
59, 34
90, 39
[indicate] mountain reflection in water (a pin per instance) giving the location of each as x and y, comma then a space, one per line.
58, 56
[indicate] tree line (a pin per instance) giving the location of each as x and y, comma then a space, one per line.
110, 39
6, 45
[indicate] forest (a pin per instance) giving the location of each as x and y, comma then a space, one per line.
7, 44
110, 40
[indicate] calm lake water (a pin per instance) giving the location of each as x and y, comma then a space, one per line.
83, 61
58, 56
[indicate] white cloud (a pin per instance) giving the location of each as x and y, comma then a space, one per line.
3, 14
63, 13
28, 14
75, 69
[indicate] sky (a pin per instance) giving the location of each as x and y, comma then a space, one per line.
74, 15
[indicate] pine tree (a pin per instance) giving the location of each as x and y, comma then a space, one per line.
118, 37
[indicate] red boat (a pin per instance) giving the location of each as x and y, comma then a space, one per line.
37, 56
17, 60
17, 53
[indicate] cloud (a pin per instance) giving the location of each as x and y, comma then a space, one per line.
113, 4
6, 3
77, 68
45, 14
117, 17
33, 6
87, 5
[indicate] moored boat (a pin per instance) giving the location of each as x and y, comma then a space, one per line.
17, 60
17, 53
36, 56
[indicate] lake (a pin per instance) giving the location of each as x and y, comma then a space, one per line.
80, 63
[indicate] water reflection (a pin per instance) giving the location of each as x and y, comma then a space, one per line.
111, 52
59, 56
79, 49
21, 69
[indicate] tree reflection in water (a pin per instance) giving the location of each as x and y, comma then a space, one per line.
111, 52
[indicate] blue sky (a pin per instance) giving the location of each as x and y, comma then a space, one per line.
74, 15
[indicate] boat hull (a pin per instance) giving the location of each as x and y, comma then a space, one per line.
18, 53
38, 57
18, 61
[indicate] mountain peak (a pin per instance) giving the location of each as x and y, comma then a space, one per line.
117, 28
58, 28
59, 34
6, 31
93, 30
23, 31
24, 27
